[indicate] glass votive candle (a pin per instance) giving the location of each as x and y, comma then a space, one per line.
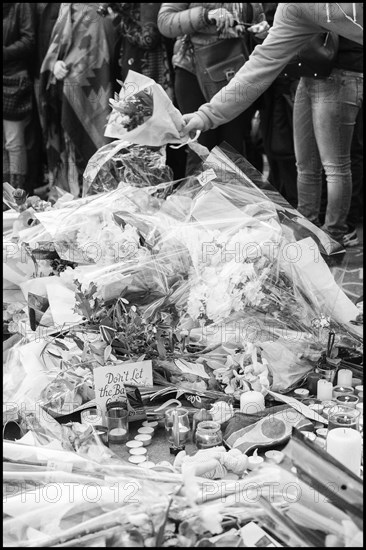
208, 434
312, 381
342, 390
91, 417
342, 416
117, 423
177, 427
349, 400
327, 372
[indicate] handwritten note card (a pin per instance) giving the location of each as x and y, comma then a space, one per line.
109, 381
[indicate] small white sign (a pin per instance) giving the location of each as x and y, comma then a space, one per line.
207, 176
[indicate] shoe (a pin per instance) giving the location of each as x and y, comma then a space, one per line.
350, 239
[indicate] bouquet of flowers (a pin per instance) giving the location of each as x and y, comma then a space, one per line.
122, 162
144, 114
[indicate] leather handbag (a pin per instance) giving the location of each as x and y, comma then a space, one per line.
316, 59
17, 96
217, 63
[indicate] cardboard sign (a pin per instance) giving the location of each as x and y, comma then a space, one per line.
110, 381
134, 374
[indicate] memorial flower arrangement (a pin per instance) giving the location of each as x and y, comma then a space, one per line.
134, 109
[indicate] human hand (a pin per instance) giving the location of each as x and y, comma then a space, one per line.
260, 29
222, 17
193, 122
60, 70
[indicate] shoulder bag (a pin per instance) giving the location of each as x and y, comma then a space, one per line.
217, 63
316, 59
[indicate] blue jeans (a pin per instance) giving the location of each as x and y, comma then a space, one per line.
325, 113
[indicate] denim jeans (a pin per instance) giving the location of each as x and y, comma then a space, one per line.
325, 113
14, 147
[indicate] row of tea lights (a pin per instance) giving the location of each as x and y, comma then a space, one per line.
348, 390
137, 446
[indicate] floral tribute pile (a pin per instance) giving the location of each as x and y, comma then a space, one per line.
206, 280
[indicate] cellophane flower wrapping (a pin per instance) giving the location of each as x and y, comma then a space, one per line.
144, 114
124, 162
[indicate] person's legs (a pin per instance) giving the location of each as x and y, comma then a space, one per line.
355, 211
335, 103
309, 168
189, 98
14, 145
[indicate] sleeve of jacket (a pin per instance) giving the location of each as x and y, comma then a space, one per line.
288, 34
25, 47
178, 19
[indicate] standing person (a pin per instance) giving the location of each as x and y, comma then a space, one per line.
141, 46
356, 208
143, 49
75, 88
45, 16
294, 25
18, 50
196, 25
276, 123
325, 114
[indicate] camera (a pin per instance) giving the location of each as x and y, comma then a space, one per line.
103, 9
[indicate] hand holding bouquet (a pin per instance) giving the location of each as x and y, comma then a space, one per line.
144, 114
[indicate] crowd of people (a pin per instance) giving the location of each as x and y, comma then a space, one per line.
61, 63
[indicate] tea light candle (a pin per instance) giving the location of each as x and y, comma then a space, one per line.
134, 444
146, 430
274, 456
324, 390
344, 377
342, 390
358, 389
254, 461
145, 439
350, 400
322, 432
90, 417
360, 396
252, 402
356, 382
301, 392
153, 424
138, 451
137, 459
115, 433
345, 445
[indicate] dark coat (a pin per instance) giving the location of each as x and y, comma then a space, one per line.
18, 37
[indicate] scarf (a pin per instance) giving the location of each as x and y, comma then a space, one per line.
74, 111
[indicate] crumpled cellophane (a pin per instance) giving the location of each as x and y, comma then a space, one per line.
123, 162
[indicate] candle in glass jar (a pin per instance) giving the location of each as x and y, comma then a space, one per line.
252, 402
345, 445
349, 400
342, 390
324, 390
344, 377
117, 435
